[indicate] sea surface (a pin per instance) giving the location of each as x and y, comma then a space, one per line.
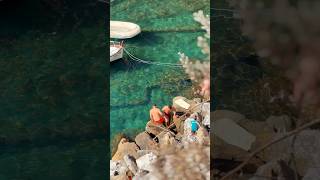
167, 27
53, 90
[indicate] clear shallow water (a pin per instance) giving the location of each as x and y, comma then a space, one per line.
167, 28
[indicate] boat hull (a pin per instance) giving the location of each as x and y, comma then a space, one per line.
117, 55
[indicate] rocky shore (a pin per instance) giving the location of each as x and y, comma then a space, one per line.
167, 153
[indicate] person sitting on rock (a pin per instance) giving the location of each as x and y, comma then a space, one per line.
156, 115
194, 125
168, 111
190, 128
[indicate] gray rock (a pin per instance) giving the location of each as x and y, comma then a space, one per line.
280, 123
191, 162
226, 114
125, 147
119, 177
152, 129
131, 163
145, 142
140, 175
312, 174
117, 168
145, 161
278, 167
305, 148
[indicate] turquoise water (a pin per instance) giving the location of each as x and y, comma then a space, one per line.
167, 28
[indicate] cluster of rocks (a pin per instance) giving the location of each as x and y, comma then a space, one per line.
160, 153
296, 156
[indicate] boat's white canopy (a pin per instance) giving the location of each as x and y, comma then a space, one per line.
123, 30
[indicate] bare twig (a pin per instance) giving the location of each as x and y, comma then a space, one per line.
293, 158
293, 132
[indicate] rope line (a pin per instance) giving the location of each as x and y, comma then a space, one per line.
150, 62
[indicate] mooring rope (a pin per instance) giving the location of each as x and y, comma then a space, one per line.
151, 62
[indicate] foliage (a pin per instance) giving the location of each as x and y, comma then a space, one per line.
288, 33
199, 71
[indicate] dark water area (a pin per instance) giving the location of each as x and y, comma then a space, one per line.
53, 90
242, 81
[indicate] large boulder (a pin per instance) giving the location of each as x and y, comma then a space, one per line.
124, 148
260, 130
145, 142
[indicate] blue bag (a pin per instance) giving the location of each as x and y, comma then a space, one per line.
194, 125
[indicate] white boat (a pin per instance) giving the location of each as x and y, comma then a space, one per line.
123, 30
116, 50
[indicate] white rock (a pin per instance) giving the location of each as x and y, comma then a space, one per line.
131, 163
117, 168
233, 134
145, 161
